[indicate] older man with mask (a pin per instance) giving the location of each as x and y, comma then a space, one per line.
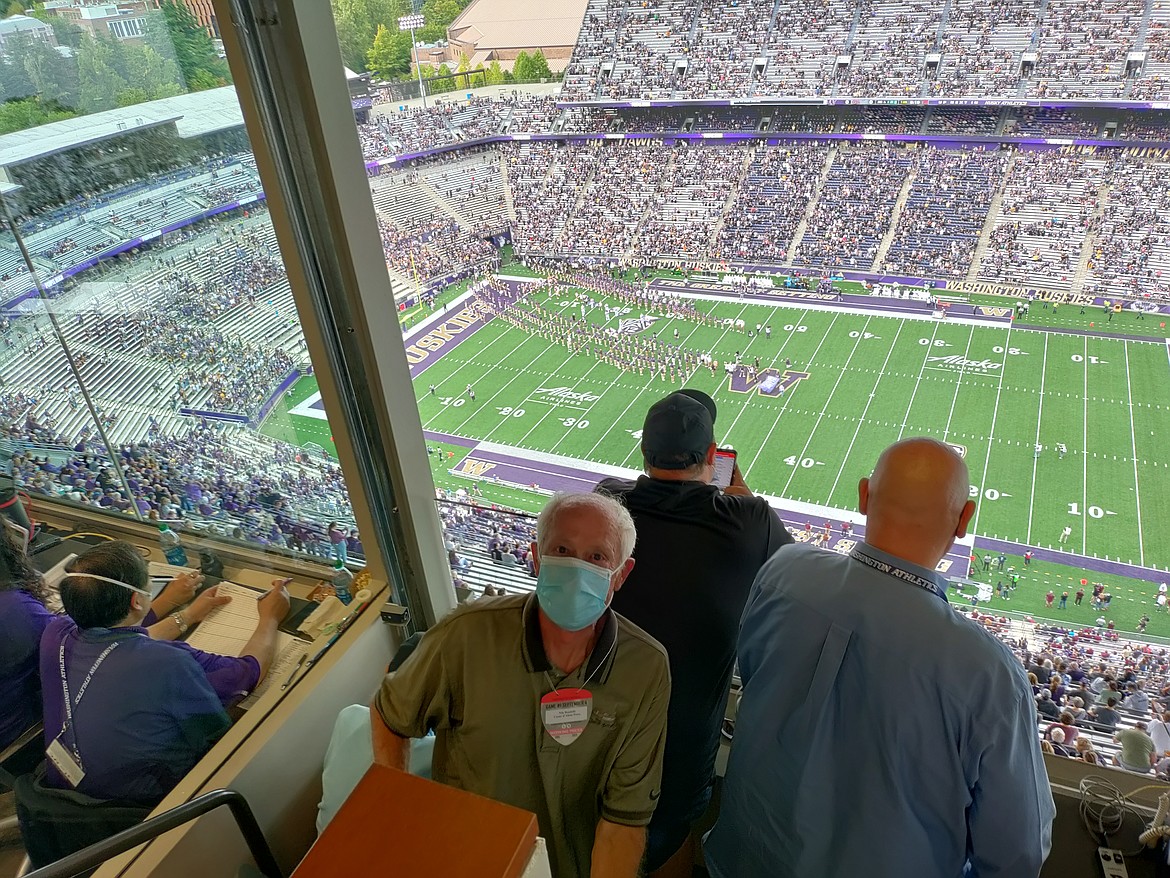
863, 742
568, 698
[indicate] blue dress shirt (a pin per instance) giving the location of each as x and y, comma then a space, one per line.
879, 733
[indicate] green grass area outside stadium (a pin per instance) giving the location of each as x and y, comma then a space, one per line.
871, 380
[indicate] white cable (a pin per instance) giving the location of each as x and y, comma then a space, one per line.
1158, 828
1103, 807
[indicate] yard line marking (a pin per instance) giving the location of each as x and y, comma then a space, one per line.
505, 386
787, 397
634, 399
1085, 465
579, 412
637, 449
959, 383
1035, 457
869, 402
772, 365
472, 361
487, 403
1133, 440
583, 377
991, 433
820, 417
914, 393
637, 391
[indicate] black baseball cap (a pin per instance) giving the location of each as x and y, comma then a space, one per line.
679, 430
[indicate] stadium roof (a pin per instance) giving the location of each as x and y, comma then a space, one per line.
15, 24
194, 115
519, 24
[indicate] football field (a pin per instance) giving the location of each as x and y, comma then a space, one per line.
996, 392
854, 383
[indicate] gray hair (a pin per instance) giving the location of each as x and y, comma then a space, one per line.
1057, 736
621, 524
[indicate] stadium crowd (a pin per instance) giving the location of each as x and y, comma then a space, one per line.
738, 50
269, 493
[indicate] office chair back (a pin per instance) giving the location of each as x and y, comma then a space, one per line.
56, 823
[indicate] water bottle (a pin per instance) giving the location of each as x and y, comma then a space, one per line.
172, 548
342, 579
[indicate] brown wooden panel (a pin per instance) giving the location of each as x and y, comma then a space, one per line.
398, 824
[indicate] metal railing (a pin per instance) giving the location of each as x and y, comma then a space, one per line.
150, 829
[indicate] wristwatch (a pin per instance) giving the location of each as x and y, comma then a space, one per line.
178, 619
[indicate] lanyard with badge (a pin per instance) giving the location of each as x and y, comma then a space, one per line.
68, 761
565, 712
899, 573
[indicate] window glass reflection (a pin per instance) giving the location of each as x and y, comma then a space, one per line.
151, 354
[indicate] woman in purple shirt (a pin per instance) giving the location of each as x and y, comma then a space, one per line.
23, 618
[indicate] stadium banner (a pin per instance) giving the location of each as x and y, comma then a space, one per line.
378, 166
231, 417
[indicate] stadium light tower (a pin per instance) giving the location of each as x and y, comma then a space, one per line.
410, 23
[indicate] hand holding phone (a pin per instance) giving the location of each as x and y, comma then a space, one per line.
724, 467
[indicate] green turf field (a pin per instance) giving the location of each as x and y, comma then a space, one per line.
1131, 597
298, 430
871, 381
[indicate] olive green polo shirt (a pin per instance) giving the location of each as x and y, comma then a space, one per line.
477, 678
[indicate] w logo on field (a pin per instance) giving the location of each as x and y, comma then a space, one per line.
469, 466
634, 325
987, 311
769, 382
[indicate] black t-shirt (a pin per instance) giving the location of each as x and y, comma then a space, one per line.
697, 554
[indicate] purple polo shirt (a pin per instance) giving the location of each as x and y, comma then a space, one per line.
152, 709
22, 621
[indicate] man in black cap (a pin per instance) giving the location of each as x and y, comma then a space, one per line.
698, 552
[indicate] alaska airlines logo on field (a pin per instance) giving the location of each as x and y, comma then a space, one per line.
634, 325
769, 382
955, 361
562, 394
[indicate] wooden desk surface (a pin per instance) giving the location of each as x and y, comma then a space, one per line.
398, 824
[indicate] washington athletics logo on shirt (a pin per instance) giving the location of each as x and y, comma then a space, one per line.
634, 325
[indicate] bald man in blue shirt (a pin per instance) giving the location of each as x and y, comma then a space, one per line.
864, 741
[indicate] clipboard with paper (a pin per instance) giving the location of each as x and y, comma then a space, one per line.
228, 628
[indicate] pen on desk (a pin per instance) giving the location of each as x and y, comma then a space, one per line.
341, 629
300, 662
333, 638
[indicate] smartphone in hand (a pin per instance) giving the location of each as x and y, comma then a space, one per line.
724, 467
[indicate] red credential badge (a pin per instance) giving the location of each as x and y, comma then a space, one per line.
565, 714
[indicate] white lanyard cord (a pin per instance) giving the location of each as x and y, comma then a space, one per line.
608, 653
